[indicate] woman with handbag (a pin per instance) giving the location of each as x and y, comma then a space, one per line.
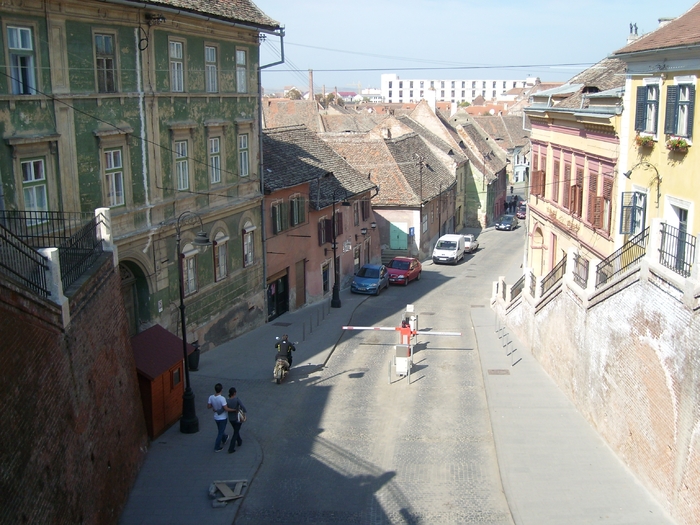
236, 415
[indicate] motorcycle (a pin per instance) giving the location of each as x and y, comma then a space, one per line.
281, 366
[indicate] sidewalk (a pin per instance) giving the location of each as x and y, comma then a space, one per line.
554, 467
189, 458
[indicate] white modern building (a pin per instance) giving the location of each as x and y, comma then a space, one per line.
395, 89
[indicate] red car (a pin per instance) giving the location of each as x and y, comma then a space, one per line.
403, 270
522, 211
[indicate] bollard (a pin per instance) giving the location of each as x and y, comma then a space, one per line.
323, 312
318, 317
303, 332
311, 324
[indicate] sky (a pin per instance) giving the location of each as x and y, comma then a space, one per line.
349, 45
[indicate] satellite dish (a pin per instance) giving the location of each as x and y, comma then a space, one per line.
492, 111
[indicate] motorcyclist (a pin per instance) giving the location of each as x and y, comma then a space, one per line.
285, 349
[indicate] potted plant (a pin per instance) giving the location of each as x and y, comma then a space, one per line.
645, 141
677, 144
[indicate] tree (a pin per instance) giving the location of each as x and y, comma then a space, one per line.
293, 94
464, 104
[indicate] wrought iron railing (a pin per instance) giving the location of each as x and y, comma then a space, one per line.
79, 252
22, 263
677, 250
554, 276
580, 271
74, 234
517, 288
626, 257
533, 284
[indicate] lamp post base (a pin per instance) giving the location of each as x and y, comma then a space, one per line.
335, 300
189, 423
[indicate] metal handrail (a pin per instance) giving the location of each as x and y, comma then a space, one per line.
517, 288
533, 284
554, 276
22, 263
44, 229
580, 270
677, 250
622, 259
79, 252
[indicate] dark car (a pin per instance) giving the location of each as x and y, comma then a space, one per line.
507, 222
403, 270
522, 211
371, 278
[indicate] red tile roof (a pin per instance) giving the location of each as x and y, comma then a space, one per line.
682, 31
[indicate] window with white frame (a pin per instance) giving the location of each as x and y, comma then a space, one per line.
280, 216
215, 159
20, 44
105, 63
647, 113
189, 269
297, 209
633, 212
177, 67
114, 177
680, 105
243, 161
182, 168
211, 69
220, 256
241, 71
248, 245
34, 186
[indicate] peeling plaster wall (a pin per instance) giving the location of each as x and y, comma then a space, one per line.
631, 364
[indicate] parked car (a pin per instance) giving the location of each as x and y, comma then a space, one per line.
507, 222
522, 211
449, 249
470, 243
403, 270
371, 278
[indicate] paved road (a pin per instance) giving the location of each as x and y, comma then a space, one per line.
351, 448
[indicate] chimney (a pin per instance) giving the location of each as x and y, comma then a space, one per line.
311, 84
431, 98
663, 21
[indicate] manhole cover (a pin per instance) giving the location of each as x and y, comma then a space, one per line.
499, 372
281, 324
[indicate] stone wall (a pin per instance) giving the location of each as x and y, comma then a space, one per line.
628, 357
73, 434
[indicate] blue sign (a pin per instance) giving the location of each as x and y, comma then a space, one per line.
412, 231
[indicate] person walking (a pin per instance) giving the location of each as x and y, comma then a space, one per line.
217, 403
236, 415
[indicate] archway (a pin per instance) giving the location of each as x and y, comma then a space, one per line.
135, 295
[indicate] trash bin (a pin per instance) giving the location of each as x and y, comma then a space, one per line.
193, 358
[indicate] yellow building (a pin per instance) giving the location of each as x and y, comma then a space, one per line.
575, 146
657, 157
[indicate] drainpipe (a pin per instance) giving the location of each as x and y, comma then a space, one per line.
262, 166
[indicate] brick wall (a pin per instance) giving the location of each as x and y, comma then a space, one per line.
630, 361
73, 434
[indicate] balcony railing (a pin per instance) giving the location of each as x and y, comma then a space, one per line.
626, 257
22, 263
580, 273
517, 288
74, 234
533, 284
677, 250
554, 276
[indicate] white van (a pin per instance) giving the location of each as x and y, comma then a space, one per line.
449, 249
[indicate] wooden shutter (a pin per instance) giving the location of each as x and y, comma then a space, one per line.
301, 204
275, 213
640, 116
627, 212
691, 109
328, 229
555, 182
566, 195
339, 222
592, 196
284, 215
321, 231
670, 125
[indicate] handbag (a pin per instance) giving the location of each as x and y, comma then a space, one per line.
241, 416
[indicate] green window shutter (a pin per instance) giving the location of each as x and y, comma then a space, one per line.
275, 212
641, 114
671, 122
691, 110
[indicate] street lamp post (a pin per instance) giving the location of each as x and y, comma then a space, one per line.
189, 423
335, 300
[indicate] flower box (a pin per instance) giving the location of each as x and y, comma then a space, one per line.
644, 141
677, 144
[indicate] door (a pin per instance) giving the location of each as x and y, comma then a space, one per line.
682, 233
277, 297
398, 235
300, 279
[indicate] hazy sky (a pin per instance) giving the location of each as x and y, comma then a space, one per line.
354, 42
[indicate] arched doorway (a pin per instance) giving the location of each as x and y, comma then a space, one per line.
536, 249
135, 295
